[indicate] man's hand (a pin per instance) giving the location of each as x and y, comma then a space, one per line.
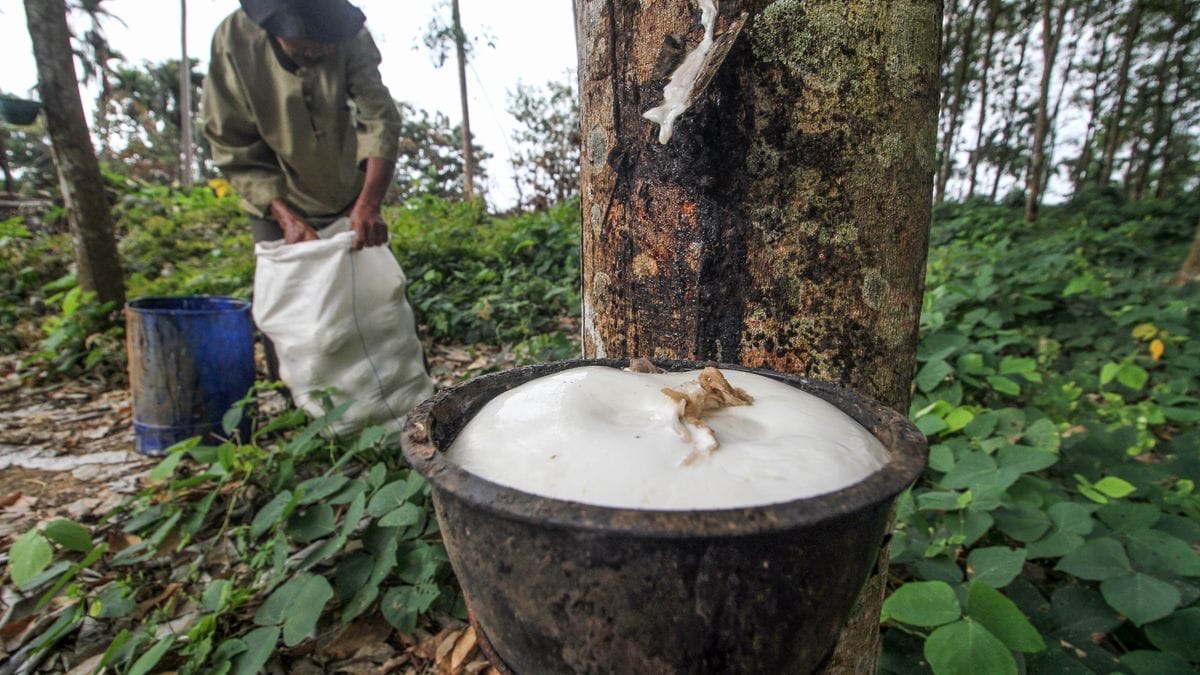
295, 229
369, 228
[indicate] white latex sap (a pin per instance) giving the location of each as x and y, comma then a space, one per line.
607, 437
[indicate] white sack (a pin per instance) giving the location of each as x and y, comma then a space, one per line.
339, 320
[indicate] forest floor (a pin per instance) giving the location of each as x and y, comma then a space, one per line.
67, 451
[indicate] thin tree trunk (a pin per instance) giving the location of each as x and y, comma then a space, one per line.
1052, 141
1158, 130
981, 122
1083, 166
1052, 28
785, 224
1189, 272
1113, 132
1011, 121
96, 259
956, 104
461, 51
1166, 175
8, 181
187, 167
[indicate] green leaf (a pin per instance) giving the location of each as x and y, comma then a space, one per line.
967, 648
1080, 612
941, 458
958, 419
29, 555
1022, 522
270, 514
316, 489
147, 661
419, 562
940, 345
1129, 516
69, 535
923, 603
1015, 365
260, 644
1002, 618
1108, 372
407, 514
982, 426
932, 374
394, 494
175, 454
967, 470
402, 605
1043, 435
1140, 597
306, 608
1133, 376
995, 566
1114, 487
1158, 551
274, 609
114, 602
353, 572
1071, 518
314, 522
216, 596
1178, 633
1024, 459
1096, 560
1004, 385
1146, 662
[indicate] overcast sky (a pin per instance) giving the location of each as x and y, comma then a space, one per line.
534, 43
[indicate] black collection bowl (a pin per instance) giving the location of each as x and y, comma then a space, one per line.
563, 587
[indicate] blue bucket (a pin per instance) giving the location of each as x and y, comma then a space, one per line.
190, 359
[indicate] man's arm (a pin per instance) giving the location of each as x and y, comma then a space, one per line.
378, 123
238, 149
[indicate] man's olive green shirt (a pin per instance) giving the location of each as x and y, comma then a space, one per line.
302, 135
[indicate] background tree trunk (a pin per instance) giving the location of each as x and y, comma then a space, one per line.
460, 51
187, 167
954, 109
1113, 131
981, 122
1052, 29
1189, 271
785, 225
99, 267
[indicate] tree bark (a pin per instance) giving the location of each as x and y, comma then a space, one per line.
1189, 272
1113, 131
88, 212
4, 165
1052, 28
785, 224
460, 51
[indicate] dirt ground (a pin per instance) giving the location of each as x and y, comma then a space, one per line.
67, 451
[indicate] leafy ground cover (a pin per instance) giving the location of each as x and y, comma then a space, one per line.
1056, 530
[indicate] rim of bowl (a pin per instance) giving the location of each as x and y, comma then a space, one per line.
438, 420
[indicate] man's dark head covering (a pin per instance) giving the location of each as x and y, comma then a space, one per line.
327, 21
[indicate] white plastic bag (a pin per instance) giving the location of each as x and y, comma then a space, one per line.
339, 320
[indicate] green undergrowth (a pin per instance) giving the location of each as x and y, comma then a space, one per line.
236, 553
1057, 528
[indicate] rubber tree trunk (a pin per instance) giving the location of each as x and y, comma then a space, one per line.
1113, 131
99, 267
785, 223
460, 51
1189, 271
